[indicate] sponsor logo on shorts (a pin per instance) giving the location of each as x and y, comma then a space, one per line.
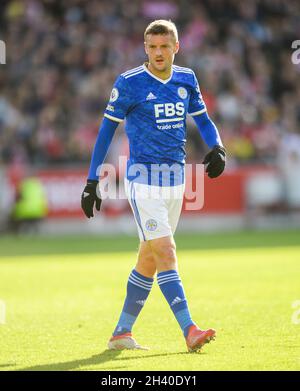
151, 225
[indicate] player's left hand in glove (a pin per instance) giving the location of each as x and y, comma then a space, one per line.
215, 160
89, 198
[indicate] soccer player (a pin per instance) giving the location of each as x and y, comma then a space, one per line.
155, 99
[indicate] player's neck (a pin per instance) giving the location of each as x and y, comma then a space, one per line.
164, 75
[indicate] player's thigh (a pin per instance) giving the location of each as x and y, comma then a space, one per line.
150, 211
163, 246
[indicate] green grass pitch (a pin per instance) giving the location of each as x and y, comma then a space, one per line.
63, 297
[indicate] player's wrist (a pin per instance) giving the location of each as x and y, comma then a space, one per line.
219, 148
92, 182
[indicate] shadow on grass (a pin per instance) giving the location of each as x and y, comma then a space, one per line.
96, 359
7, 365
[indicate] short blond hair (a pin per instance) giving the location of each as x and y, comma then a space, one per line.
163, 27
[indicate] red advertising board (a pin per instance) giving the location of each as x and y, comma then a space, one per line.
223, 195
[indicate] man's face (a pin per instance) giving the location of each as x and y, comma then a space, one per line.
161, 50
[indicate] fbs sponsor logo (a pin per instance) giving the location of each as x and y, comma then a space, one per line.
169, 110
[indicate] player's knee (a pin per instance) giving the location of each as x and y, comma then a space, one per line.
146, 263
165, 264
149, 259
145, 255
165, 254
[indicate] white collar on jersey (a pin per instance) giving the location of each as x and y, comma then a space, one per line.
155, 77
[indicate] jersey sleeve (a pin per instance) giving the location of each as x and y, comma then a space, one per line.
196, 104
120, 101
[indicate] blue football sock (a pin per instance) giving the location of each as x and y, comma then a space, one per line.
138, 289
171, 286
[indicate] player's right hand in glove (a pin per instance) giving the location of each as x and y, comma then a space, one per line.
89, 198
215, 160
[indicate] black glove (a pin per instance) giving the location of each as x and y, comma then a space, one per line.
89, 197
215, 160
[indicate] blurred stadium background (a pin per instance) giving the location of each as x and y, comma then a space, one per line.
62, 59
60, 293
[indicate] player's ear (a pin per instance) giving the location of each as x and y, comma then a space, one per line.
176, 47
145, 47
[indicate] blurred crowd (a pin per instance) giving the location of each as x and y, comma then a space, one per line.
63, 57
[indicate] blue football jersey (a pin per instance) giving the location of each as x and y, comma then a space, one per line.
155, 111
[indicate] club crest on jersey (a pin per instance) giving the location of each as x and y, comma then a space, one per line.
114, 95
151, 225
182, 92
